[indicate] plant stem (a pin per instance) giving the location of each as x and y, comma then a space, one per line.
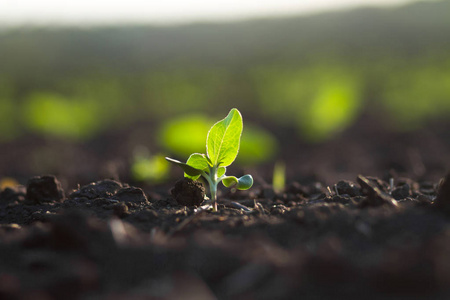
213, 186
213, 190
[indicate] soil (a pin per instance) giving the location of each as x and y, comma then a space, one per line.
111, 240
328, 234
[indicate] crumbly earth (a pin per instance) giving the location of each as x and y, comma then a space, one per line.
188, 192
108, 240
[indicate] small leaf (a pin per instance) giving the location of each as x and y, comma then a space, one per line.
230, 181
222, 143
198, 161
188, 170
191, 177
245, 182
221, 171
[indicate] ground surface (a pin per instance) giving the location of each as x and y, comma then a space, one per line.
108, 239
330, 233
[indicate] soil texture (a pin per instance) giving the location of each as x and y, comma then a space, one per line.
372, 238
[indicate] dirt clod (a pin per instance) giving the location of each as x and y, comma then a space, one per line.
13, 194
120, 210
131, 194
349, 188
100, 189
188, 192
44, 189
401, 192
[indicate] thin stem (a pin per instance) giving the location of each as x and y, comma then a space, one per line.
213, 190
212, 180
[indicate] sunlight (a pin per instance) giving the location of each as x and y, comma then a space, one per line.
15, 12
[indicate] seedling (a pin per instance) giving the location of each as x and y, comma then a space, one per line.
279, 176
222, 147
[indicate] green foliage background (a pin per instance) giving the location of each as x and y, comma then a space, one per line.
318, 73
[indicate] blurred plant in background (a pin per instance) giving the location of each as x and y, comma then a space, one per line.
149, 168
317, 74
9, 113
417, 93
52, 114
320, 100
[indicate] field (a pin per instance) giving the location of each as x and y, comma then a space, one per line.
346, 134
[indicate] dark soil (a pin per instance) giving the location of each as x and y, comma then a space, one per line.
329, 234
108, 240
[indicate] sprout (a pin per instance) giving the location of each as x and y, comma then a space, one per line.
222, 147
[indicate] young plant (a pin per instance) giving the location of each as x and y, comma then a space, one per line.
222, 147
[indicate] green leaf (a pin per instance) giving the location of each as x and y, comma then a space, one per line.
198, 161
190, 171
222, 143
243, 183
229, 181
221, 171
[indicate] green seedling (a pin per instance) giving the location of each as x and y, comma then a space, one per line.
222, 147
279, 176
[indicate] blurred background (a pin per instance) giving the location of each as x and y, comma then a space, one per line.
327, 89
